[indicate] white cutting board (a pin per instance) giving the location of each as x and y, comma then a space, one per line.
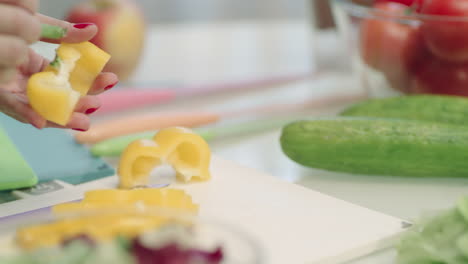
293, 224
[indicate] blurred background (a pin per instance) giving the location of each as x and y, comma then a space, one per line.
180, 11
232, 40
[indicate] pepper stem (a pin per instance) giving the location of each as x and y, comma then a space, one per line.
52, 32
56, 62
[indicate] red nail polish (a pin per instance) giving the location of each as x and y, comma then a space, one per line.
82, 25
110, 86
79, 129
90, 111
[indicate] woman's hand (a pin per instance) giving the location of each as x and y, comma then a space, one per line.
20, 26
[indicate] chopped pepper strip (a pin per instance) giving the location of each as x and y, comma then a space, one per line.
109, 199
98, 227
54, 92
123, 213
188, 153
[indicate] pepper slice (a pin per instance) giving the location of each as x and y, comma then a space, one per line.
98, 227
54, 92
188, 153
111, 199
106, 214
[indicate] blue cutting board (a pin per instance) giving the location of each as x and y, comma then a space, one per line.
53, 153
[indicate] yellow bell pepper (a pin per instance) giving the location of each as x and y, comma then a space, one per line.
106, 214
98, 227
54, 92
188, 153
111, 199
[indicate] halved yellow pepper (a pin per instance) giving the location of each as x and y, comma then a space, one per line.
54, 92
137, 162
188, 153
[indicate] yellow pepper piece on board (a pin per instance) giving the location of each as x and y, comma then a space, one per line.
106, 214
137, 162
98, 227
54, 92
188, 153
115, 199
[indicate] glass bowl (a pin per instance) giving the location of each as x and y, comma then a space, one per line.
207, 237
397, 51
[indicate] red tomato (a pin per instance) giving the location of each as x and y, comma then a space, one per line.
447, 40
391, 47
436, 76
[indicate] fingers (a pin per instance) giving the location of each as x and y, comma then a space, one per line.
16, 107
29, 5
7, 74
18, 28
32, 116
13, 51
88, 105
103, 82
18, 22
78, 122
75, 32
21, 108
35, 63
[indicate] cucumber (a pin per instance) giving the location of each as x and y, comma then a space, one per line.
378, 146
431, 108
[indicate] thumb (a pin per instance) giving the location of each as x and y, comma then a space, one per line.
75, 32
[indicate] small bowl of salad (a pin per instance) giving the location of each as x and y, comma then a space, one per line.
125, 236
403, 47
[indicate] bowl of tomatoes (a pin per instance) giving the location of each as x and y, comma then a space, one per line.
406, 46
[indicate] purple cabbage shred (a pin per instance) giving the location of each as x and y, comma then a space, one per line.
173, 254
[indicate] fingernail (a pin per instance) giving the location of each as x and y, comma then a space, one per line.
79, 129
110, 86
91, 110
82, 25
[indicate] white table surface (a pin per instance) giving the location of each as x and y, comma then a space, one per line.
252, 52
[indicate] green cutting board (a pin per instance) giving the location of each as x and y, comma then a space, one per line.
14, 170
53, 154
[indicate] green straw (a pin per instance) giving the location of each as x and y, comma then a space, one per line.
52, 32
113, 147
